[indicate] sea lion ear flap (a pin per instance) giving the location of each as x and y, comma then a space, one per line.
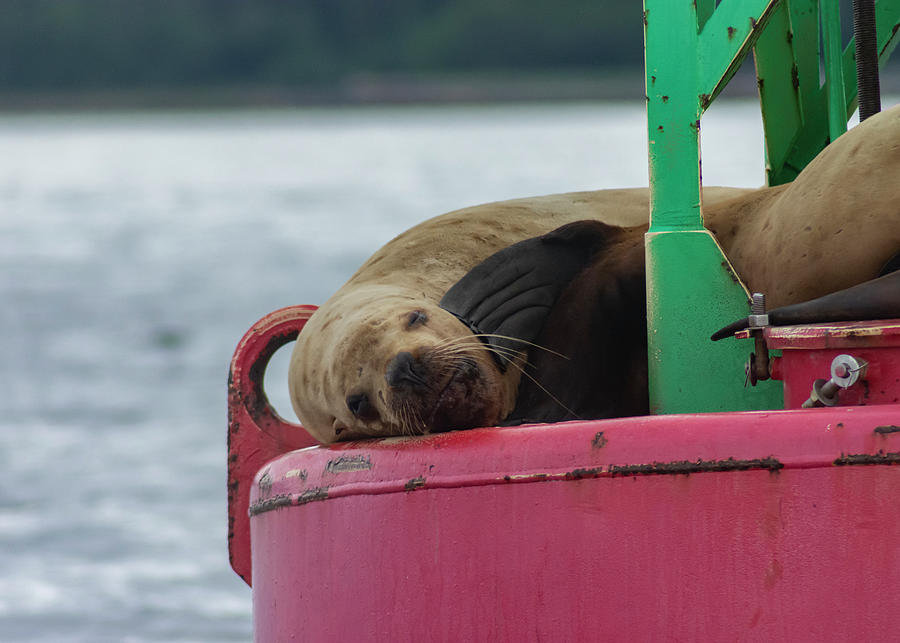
506, 298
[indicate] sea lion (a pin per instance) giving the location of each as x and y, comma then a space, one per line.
352, 372
381, 357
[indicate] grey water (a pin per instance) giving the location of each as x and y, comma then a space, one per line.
136, 249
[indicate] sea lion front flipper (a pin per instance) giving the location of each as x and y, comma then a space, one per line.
595, 365
877, 298
506, 298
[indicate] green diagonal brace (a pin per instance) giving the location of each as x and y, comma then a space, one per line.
725, 39
794, 105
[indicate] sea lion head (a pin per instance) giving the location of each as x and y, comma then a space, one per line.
374, 362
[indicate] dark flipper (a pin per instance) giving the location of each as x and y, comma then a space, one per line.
599, 323
875, 299
892, 265
511, 292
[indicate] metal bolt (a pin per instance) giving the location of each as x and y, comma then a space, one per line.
758, 317
758, 304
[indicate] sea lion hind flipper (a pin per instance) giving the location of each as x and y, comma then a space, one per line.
730, 329
506, 298
877, 298
892, 265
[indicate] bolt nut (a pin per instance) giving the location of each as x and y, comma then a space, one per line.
758, 321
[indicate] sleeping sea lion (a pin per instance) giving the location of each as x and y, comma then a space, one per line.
381, 357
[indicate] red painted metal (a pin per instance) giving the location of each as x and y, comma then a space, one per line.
807, 352
764, 525
755, 525
869, 334
256, 433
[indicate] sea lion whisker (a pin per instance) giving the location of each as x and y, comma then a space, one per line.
416, 425
467, 341
451, 341
411, 419
516, 339
399, 420
413, 424
442, 350
552, 396
405, 421
505, 352
465, 354
449, 351
471, 342
514, 357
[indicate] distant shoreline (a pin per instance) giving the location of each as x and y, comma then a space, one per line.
360, 90
353, 90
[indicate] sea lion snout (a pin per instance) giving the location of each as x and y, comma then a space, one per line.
406, 372
440, 388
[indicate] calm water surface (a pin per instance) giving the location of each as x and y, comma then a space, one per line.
136, 249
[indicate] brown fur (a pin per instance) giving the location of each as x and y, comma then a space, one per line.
834, 226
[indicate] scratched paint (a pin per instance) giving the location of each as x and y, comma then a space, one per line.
348, 463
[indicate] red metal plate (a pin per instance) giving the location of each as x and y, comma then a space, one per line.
837, 335
720, 526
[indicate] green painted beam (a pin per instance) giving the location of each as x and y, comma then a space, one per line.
787, 72
673, 114
691, 290
834, 71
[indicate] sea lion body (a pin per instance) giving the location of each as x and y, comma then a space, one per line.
346, 346
835, 226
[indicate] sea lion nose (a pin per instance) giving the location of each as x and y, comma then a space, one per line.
405, 371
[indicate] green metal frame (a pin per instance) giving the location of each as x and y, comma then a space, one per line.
693, 48
800, 117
